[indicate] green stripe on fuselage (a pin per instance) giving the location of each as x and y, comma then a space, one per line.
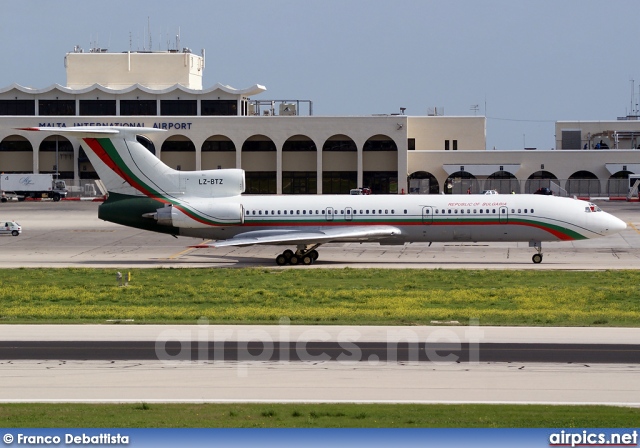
128, 210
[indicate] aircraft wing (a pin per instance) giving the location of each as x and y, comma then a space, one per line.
308, 236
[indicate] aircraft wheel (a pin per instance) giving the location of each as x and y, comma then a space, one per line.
288, 254
314, 254
307, 260
537, 258
294, 260
281, 260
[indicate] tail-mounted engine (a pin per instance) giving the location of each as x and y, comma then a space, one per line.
194, 216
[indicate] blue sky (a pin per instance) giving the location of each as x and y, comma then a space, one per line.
530, 62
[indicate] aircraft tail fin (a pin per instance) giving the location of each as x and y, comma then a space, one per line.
126, 167
123, 164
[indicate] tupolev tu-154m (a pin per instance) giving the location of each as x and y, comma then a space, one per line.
147, 194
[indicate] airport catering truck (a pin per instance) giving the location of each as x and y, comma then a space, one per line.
33, 186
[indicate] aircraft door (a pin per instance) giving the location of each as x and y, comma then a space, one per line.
329, 214
504, 215
348, 214
427, 215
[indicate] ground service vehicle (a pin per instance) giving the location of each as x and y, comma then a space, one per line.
34, 186
10, 228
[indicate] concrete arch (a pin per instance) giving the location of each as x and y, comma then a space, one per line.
539, 179
173, 153
583, 184
339, 165
380, 142
299, 165
218, 151
424, 183
618, 184
462, 182
16, 154
64, 160
504, 182
260, 162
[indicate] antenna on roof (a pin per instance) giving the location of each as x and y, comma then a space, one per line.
149, 30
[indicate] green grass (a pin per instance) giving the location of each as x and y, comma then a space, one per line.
322, 296
145, 415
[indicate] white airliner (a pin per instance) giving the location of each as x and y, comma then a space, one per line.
147, 194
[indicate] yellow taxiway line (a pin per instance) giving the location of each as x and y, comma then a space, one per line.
185, 251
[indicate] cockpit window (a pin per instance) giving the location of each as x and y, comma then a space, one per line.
592, 208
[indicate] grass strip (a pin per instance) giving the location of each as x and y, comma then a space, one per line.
159, 415
322, 296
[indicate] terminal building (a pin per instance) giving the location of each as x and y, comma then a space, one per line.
283, 147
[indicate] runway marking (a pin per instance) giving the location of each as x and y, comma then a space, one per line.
633, 227
185, 251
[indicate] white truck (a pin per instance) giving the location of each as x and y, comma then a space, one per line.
33, 186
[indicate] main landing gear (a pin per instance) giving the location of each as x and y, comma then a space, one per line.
537, 245
305, 254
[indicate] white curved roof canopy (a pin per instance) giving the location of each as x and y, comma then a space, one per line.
253, 90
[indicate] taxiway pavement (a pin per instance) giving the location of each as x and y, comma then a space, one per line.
69, 234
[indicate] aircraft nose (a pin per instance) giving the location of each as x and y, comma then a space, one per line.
615, 225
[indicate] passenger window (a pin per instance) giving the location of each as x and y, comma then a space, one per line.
279, 212
367, 212
427, 211
393, 212
480, 210
486, 211
519, 210
525, 210
449, 211
461, 211
531, 210
456, 211
254, 212
468, 211
475, 210
259, 212
493, 211
380, 212
513, 210
317, 212
405, 212
436, 211
373, 212
304, 212
285, 212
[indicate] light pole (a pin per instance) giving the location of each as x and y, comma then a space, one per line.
57, 160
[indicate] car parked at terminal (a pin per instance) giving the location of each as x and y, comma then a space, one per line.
543, 190
11, 228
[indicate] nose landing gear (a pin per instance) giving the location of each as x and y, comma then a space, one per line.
305, 254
